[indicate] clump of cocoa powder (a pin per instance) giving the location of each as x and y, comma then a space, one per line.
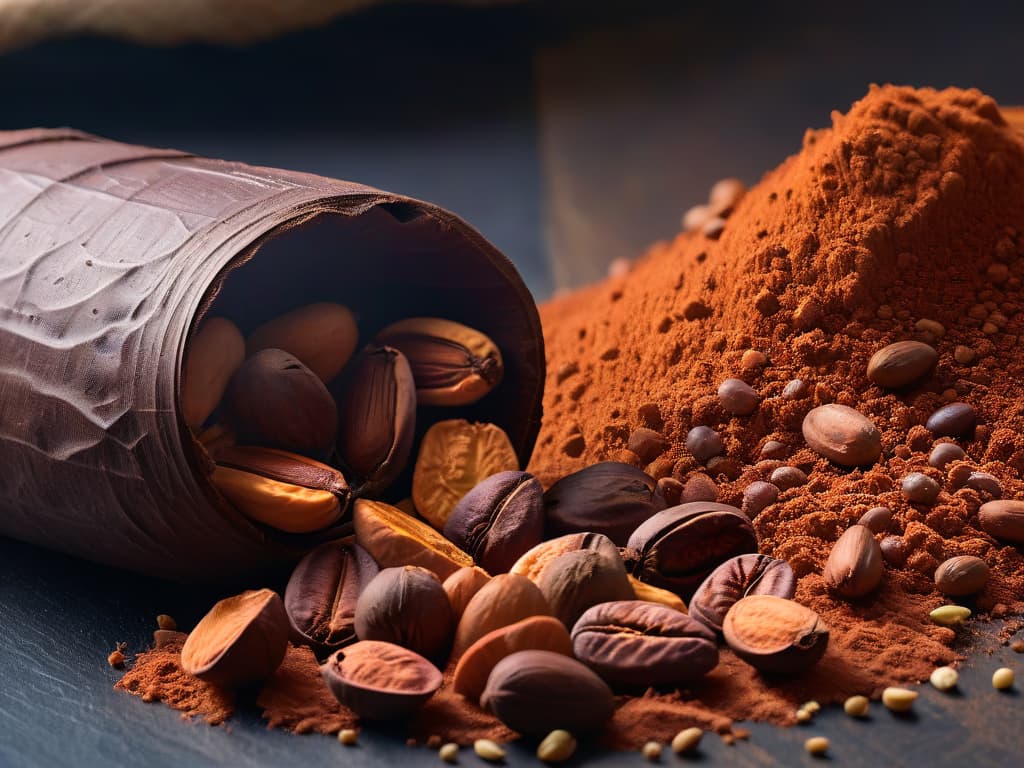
904, 220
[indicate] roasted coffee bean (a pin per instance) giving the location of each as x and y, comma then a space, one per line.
854, 566
737, 397
986, 483
406, 606
775, 635
757, 496
322, 592
637, 644
213, 356
1003, 519
380, 681
647, 444
284, 490
918, 488
242, 640
499, 520
704, 443
577, 580
377, 417
678, 547
944, 453
843, 435
785, 478
452, 363
876, 519
736, 578
610, 497
902, 363
274, 400
962, 575
323, 336
955, 420
535, 691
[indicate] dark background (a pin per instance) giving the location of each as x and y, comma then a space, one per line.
570, 134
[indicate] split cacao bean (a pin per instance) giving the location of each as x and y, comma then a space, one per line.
775, 635
736, 578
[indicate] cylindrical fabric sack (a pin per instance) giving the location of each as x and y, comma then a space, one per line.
110, 254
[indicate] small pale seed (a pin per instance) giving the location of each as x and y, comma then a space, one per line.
1002, 679
488, 750
944, 678
803, 716
950, 615
811, 706
856, 706
686, 740
449, 752
652, 751
817, 745
899, 699
348, 736
557, 746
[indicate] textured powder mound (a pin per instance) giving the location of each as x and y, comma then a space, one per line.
297, 699
909, 208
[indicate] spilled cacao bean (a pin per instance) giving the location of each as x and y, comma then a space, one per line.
736, 578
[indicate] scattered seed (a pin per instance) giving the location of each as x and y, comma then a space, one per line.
557, 746
856, 706
898, 699
811, 706
944, 678
434, 741
704, 443
945, 453
930, 327
163, 621
686, 740
964, 355
950, 615
348, 737
876, 519
803, 716
817, 745
652, 751
918, 488
757, 496
488, 750
1002, 679
737, 397
1017, 646
449, 752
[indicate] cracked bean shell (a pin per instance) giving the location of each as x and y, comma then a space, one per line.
736, 578
775, 635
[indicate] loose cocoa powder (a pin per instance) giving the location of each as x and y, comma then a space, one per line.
902, 221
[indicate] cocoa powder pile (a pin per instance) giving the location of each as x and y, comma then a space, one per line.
904, 220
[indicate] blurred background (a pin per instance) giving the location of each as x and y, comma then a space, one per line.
569, 133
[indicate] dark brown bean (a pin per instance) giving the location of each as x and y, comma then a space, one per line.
737, 397
639, 644
704, 443
954, 420
1003, 519
668, 492
773, 449
962, 575
736, 578
876, 519
321, 595
534, 692
854, 566
610, 498
678, 547
902, 363
785, 478
944, 453
499, 520
646, 443
406, 606
894, 550
986, 483
757, 496
918, 488
380, 681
